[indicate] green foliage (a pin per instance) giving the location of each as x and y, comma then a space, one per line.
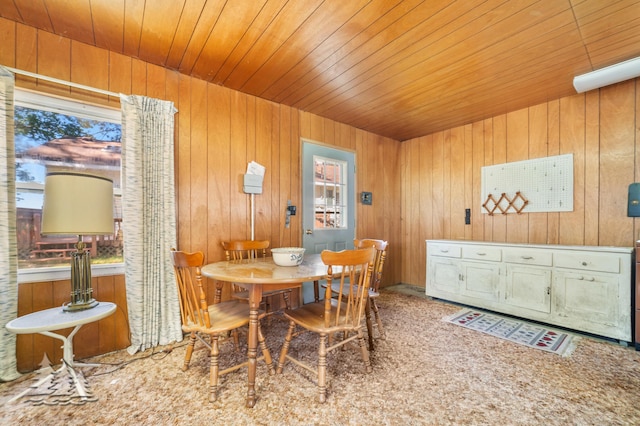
43, 126
22, 175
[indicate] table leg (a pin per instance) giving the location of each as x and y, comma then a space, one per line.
316, 291
67, 347
255, 296
67, 357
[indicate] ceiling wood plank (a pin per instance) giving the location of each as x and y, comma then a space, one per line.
189, 16
108, 23
458, 78
610, 31
249, 49
158, 31
228, 33
133, 19
304, 71
33, 13
10, 11
466, 52
198, 38
71, 19
427, 33
338, 28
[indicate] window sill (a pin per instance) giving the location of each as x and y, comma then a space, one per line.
64, 273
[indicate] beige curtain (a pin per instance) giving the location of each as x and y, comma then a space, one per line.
8, 242
149, 221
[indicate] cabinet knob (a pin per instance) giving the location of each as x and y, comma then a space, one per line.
584, 263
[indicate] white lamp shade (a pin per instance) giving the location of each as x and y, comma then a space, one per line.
605, 76
77, 204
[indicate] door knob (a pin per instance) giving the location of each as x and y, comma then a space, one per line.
308, 231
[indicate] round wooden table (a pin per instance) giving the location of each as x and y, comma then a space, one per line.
257, 275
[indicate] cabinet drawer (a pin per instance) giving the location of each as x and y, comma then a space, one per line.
528, 257
492, 254
587, 261
444, 250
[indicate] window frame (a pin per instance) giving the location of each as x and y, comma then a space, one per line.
52, 103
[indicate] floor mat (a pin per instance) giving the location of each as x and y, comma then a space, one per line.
516, 330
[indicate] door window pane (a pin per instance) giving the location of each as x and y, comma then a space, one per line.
329, 188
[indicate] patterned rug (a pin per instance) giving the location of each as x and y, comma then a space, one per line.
517, 331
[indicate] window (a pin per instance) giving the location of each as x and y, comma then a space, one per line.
55, 134
330, 185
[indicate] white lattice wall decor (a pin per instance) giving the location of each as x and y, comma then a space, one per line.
546, 183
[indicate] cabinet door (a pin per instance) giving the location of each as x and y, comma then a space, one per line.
528, 288
481, 280
591, 302
443, 277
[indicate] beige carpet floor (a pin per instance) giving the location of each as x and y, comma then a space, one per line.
427, 372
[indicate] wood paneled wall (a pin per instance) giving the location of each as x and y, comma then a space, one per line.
218, 131
440, 175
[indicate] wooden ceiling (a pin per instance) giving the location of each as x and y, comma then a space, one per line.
397, 68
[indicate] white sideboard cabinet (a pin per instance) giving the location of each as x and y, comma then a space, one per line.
585, 288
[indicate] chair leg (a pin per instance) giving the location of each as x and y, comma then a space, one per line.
213, 369
367, 316
364, 351
265, 352
287, 302
236, 339
322, 369
285, 347
187, 355
378, 320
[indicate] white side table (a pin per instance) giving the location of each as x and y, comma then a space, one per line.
49, 320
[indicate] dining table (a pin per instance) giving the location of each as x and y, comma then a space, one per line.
257, 275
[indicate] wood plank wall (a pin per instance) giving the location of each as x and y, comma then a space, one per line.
218, 131
440, 175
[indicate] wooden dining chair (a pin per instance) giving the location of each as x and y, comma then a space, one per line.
215, 320
374, 288
381, 247
250, 249
339, 315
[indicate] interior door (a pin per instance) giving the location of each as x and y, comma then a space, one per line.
328, 198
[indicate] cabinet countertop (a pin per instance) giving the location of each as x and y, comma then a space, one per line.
611, 249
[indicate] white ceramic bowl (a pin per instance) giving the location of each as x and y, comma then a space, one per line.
287, 256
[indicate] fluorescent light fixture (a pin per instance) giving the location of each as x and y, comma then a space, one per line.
605, 76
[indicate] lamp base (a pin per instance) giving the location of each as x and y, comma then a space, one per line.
81, 291
71, 306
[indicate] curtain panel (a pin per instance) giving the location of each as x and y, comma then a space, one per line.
149, 221
8, 241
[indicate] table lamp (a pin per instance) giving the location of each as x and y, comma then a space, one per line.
78, 204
